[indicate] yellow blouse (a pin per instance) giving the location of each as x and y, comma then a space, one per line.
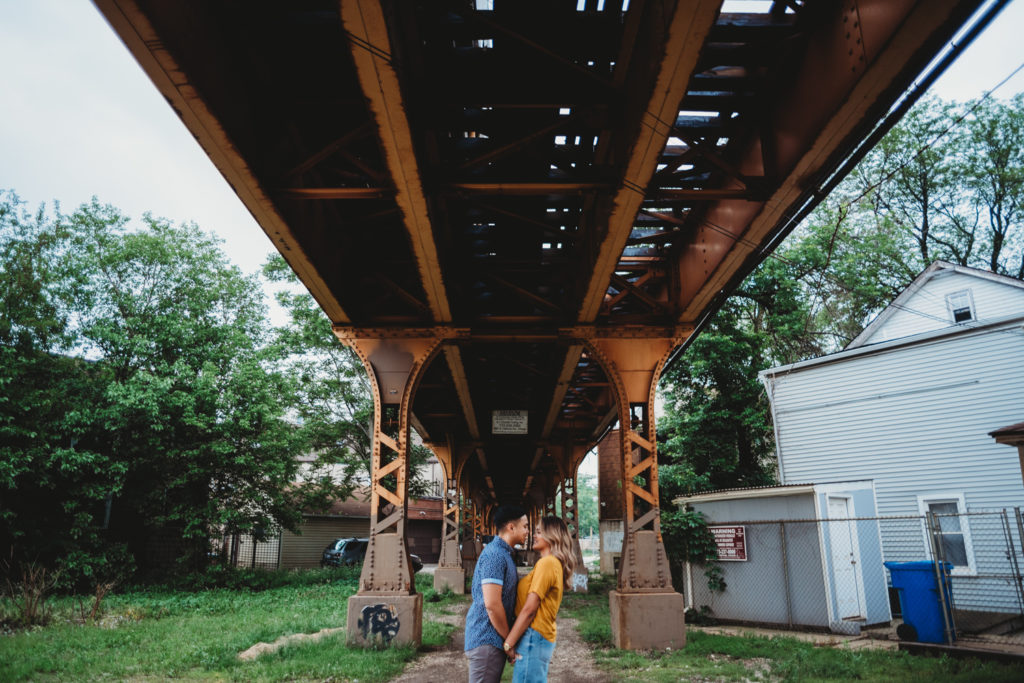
546, 581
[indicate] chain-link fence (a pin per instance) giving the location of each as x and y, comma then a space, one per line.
876, 575
250, 551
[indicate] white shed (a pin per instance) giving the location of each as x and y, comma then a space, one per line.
909, 404
797, 556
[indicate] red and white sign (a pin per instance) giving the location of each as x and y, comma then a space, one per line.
731, 542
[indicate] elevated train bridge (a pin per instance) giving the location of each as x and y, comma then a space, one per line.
530, 206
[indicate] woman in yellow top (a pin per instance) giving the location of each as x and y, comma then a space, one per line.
531, 641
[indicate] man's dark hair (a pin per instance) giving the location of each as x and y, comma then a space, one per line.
507, 513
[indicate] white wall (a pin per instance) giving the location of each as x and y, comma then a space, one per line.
926, 309
915, 419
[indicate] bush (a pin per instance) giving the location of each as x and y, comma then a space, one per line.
431, 595
25, 599
257, 580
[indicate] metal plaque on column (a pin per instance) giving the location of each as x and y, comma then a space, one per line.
509, 421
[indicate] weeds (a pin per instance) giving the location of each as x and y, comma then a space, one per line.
93, 613
160, 633
27, 597
708, 656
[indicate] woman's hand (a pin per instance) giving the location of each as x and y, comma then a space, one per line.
523, 621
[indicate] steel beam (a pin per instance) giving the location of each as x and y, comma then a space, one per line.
450, 574
394, 368
364, 21
633, 366
861, 54
690, 24
134, 27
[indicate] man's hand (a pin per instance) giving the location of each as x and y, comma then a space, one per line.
511, 654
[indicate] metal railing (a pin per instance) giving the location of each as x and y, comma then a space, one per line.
249, 551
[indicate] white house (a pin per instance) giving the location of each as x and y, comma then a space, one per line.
910, 403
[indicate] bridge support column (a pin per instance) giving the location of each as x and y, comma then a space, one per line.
470, 539
387, 610
646, 612
450, 574
570, 515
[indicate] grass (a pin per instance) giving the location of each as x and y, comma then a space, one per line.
744, 658
197, 635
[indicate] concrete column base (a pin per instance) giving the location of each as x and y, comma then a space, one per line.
580, 581
647, 621
468, 566
450, 577
383, 620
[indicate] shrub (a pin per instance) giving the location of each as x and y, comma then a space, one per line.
27, 597
257, 580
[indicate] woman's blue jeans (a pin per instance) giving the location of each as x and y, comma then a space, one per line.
536, 652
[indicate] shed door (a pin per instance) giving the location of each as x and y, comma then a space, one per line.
847, 582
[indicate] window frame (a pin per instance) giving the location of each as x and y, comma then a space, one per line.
970, 304
923, 501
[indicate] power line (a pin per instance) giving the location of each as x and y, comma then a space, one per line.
739, 239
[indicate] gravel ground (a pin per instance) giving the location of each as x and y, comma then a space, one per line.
571, 663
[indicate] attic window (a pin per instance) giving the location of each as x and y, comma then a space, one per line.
961, 306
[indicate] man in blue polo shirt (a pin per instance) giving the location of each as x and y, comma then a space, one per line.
494, 596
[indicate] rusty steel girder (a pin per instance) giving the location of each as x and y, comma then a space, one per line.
393, 367
525, 205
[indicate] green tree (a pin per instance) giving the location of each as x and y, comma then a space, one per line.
946, 183
167, 419
586, 498
194, 412
332, 399
716, 430
994, 167
54, 474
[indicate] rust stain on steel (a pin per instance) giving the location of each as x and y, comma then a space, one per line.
142, 40
454, 358
832, 95
691, 23
364, 20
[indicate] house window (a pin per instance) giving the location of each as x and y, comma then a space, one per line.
952, 530
961, 306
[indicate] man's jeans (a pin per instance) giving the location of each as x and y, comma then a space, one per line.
536, 651
485, 664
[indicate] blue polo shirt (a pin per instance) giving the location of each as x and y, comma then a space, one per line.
495, 565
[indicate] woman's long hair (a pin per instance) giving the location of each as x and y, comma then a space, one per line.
557, 535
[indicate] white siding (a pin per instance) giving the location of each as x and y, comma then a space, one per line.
305, 550
914, 419
926, 309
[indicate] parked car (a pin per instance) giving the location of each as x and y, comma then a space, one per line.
346, 552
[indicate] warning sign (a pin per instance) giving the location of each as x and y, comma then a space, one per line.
731, 542
508, 422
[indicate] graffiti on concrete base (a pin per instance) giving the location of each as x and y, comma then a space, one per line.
579, 583
379, 622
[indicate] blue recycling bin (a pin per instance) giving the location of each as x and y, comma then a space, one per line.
917, 586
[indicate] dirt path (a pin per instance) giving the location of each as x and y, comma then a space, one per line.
571, 663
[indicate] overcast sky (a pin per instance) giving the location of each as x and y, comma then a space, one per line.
78, 118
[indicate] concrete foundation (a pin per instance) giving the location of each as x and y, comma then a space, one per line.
611, 545
647, 621
450, 577
383, 620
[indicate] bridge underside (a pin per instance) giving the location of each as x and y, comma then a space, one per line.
526, 205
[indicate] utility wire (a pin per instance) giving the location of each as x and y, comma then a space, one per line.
928, 145
739, 239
